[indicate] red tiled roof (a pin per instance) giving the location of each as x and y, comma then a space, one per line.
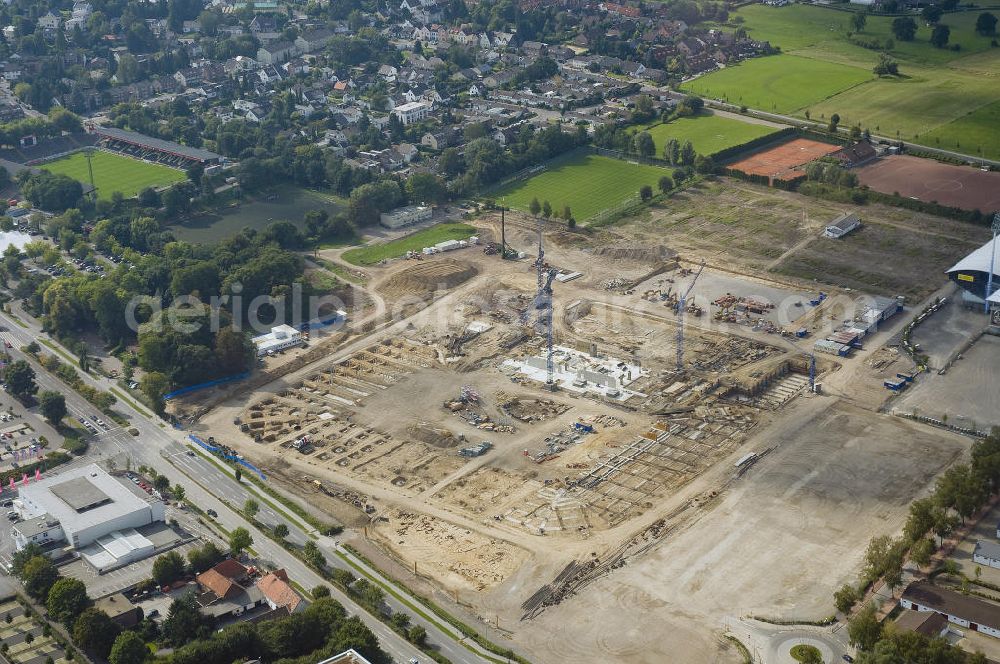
277, 590
217, 583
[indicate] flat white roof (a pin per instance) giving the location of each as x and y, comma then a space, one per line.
42, 496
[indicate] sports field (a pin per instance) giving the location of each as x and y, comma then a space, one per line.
944, 98
114, 172
927, 180
778, 83
587, 183
708, 133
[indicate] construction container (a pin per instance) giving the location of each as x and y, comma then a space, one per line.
896, 385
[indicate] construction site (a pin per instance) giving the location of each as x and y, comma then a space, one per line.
516, 430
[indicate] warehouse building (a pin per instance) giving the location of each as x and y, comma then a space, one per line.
86, 507
987, 553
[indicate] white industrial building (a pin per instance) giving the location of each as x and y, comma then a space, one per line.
842, 225
411, 112
405, 216
85, 506
279, 338
581, 372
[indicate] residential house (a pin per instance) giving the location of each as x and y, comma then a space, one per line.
439, 140
851, 156
928, 623
278, 592
967, 611
49, 22
276, 53
314, 40
118, 607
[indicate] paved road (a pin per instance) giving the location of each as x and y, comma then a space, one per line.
772, 643
210, 487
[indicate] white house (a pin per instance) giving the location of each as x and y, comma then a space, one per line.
50, 21
411, 112
987, 553
963, 610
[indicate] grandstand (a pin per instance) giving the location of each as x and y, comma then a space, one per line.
147, 148
47, 149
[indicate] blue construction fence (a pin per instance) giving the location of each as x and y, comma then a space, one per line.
228, 457
201, 386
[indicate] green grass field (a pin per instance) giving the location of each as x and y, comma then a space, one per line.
778, 83
587, 183
707, 133
944, 98
114, 172
373, 253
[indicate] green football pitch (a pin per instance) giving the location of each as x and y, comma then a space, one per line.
587, 183
114, 172
708, 133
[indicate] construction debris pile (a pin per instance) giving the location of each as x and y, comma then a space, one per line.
470, 408
556, 443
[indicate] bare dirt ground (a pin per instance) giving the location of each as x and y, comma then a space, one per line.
702, 542
760, 230
927, 180
778, 544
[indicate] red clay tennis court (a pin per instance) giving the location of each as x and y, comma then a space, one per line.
926, 180
781, 161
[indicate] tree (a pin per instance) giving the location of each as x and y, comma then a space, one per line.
644, 145
645, 192
863, 628
128, 648
20, 379
184, 622
95, 632
567, 214
161, 483
313, 555
672, 152
38, 576
204, 557
845, 598
177, 491
940, 35
834, 121
893, 573
425, 188
239, 541
21, 558
931, 13
687, 153
281, 531
250, 508
154, 385
319, 592
886, 66
703, 164
168, 568
665, 184
858, 21
922, 551
534, 207
52, 406
417, 634
66, 600
986, 24
904, 28
546, 209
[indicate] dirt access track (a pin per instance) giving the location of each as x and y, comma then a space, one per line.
931, 181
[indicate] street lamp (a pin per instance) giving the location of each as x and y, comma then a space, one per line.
993, 256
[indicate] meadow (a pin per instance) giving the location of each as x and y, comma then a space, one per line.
943, 98
778, 83
373, 253
708, 133
587, 183
114, 172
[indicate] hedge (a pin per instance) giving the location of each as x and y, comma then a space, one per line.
779, 136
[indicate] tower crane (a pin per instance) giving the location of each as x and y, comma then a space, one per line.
681, 308
543, 323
